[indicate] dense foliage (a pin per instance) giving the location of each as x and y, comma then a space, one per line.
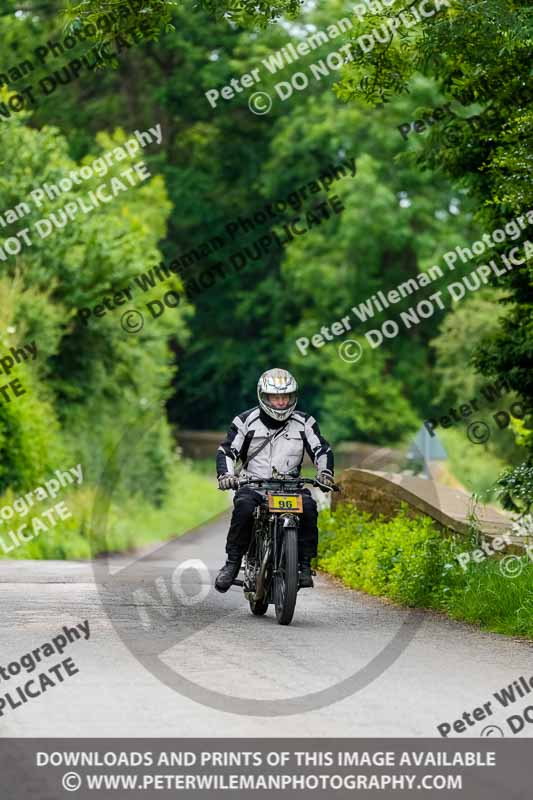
202, 359
412, 563
480, 56
85, 378
514, 488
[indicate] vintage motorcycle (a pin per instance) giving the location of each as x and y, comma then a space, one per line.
271, 563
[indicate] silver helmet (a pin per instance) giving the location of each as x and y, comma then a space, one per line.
277, 383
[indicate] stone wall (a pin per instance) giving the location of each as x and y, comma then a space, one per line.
383, 494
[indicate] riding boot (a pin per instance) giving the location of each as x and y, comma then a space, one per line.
228, 573
306, 575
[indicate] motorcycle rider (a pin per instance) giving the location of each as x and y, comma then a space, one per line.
271, 438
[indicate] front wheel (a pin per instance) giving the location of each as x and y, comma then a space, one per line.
259, 607
286, 577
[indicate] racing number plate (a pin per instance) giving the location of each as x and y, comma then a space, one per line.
285, 502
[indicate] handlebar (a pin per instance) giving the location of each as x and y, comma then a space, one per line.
283, 481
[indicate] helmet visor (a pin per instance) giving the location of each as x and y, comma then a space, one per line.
279, 402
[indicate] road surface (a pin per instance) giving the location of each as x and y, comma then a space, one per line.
219, 649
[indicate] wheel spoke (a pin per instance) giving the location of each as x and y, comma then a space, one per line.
281, 578
286, 577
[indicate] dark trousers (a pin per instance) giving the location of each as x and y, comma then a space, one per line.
240, 531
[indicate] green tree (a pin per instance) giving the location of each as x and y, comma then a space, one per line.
479, 56
88, 378
459, 335
219, 164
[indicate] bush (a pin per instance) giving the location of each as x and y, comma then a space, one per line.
30, 438
132, 522
90, 383
413, 563
515, 488
402, 559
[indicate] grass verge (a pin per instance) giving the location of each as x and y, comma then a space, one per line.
193, 498
412, 563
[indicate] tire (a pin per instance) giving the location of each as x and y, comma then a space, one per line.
286, 585
259, 607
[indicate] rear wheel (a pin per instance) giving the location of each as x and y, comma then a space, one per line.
262, 553
286, 577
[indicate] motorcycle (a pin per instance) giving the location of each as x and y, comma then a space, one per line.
271, 562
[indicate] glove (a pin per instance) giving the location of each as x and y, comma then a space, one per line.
326, 477
228, 481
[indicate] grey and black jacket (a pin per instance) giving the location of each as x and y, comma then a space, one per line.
285, 452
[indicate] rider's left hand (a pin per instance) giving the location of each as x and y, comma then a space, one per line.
326, 477
228, 481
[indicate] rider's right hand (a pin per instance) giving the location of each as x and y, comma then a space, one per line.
326, 477
228, 481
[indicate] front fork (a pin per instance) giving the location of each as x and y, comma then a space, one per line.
280, 522
271, 551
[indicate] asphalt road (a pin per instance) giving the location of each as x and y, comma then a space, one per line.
153, 628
